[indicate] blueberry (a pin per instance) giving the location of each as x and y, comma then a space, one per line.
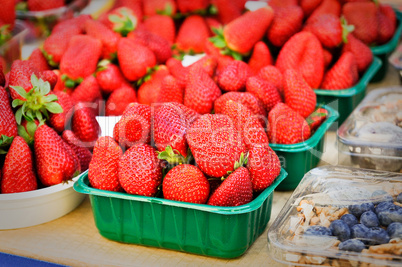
390, 215
349, 219
361, 232
318, 230
340, 229
394, 230
378, 236
381, 196
399, 198
352, 245
383, 206
358, 209
369, 219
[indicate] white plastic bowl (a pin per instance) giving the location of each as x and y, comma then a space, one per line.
31, 208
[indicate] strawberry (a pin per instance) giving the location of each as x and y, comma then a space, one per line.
153, 7
122, 20
61, 85
386, 23
54, 164
363, 15
362, 53
134, 59
327, 28
286, 126
20, 75
192, 34
273, 75
309, 6
287, 21
206, 63
170, 91
140, 172
265, 91
84, 124
59, 120
8, 125
326, 7
38, 60
38, 5
343, 74
7, 14
189, 6
148, 92
234, 76
178, 71
227, 10
264, 166
283, 3
303, 52
244, 32
83, 153
215, 144
87, 91
119, 100
134, 126
134, 7
260, 57
255, 105
298, 94
109, 38
186, 183
74, 22
103, 168
158, 45
18, 170
49, 76
235, 190
163, 26
213, 23
316, 118
201, 91
327, 58
2, 76
109, 77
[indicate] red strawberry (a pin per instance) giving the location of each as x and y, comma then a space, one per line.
207, 63
122, 19
244, 32
18, 170
213, 23
343, 74
386, 23
260, 57
109, 77
59, 120
140, 172
49, 76
153, 7
255, 105
83, 153
192, 34
201, 91
215, 144
303, 52
38, 60
2, 76
287, 21
134, 6
362, 53
103, 168
81, 57
38, 5
298, 94
177, 69
316, 118
186, 183
87, 91
327, 58
265, 91
309, 6
134, 126
188, 6
235, 190
234, 76
8, 125
170, 91
119, 100
84, 124
264, 166
327, 7
109, 38
148, 92
163, 26
327, 28
283, 3
363, 15
286, 126
7, 13
134, 59
75, 22
20, 75
54, 164
228, 10
273, 75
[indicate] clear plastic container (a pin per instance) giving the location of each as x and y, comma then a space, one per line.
323, 196
372, 134
11, 50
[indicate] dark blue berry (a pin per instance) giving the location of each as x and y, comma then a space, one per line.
349, 219
399, 198
358, 209
369, 219
394, 230
361, 232
390, 215
340, 229
352, 245
378, 236
383, 206
381, 196
318, 230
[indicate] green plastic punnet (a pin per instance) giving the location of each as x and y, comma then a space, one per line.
347, 99
224, 232
298, 159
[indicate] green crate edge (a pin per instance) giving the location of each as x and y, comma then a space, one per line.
253, 216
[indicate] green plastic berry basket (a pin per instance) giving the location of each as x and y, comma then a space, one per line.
223, 232
383, 51
298, 159
345, 101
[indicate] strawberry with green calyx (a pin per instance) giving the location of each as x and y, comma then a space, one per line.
327, 28
108, 37
27, 130
173, 156
124, 20
8, 124
87, 91
316, 118
219, 42
20, 75
154, 7
37, 103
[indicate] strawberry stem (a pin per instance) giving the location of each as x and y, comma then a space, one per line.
346, 29
172, 156
5, 142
